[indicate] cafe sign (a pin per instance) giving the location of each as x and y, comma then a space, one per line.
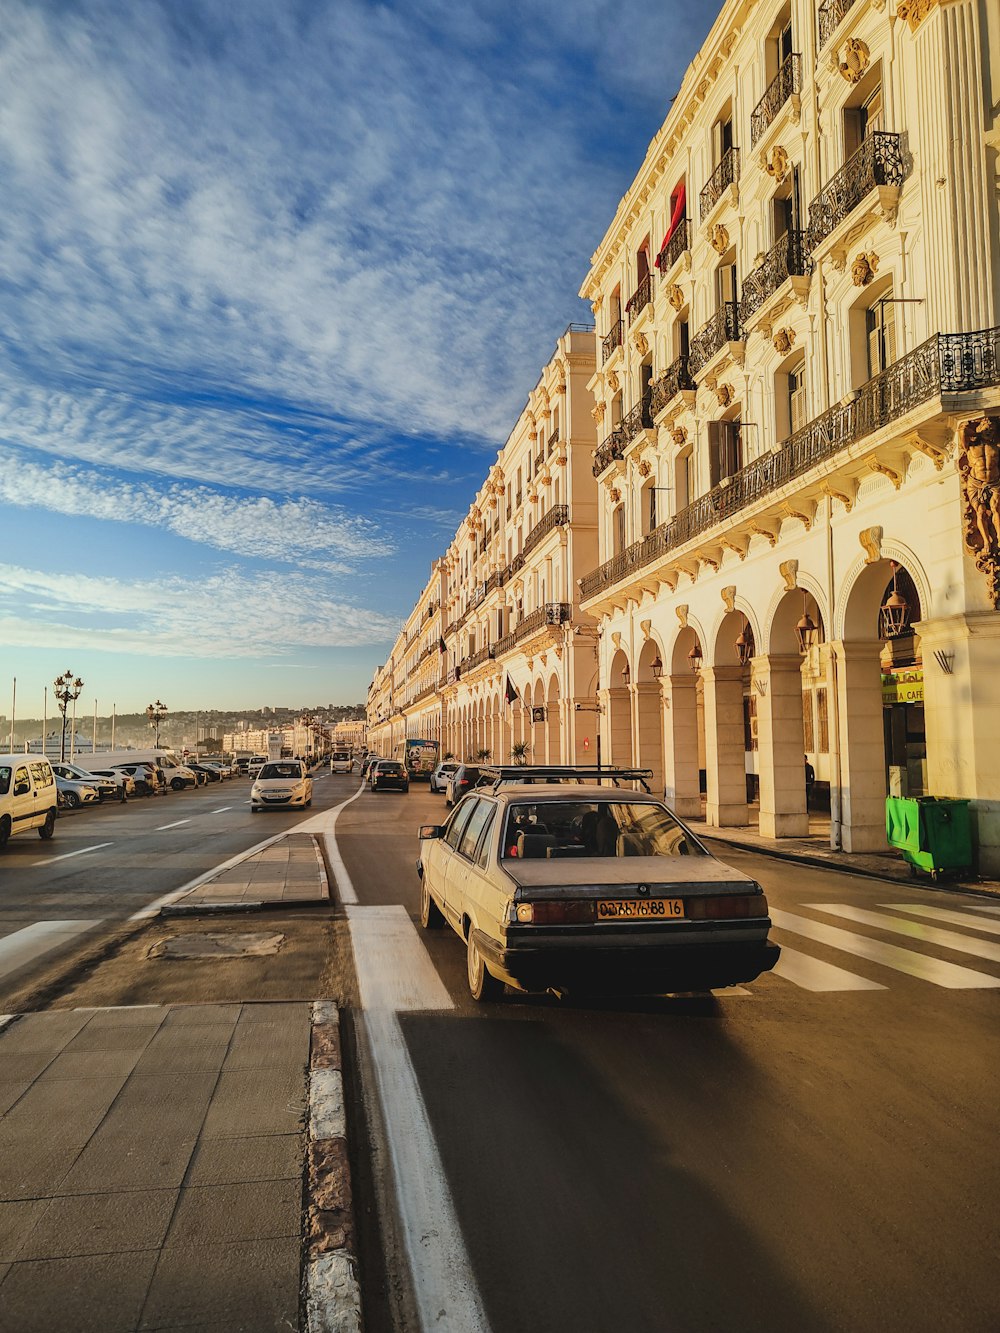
905, 686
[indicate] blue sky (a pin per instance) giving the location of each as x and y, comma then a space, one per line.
276, 278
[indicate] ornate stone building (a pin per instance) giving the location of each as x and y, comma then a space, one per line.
788, 606
799, 365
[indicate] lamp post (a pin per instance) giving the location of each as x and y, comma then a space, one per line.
67, 691
156, 713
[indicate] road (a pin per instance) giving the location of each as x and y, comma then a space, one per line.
814, 1152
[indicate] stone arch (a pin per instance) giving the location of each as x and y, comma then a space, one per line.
865, 585
785, 612
649, 712
620, 710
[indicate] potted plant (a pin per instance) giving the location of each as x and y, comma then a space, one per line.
519, 752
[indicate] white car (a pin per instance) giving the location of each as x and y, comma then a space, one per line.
73, 792
106, 787
438, 780
281, 784
124, 782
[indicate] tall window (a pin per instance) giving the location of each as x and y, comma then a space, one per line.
725, 283
880, 329
725, 450
648, 507
797, 416
618, 529
864, 117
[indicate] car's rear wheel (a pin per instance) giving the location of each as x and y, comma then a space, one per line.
46, 829
71, 799
430, 914
483, 985
178, 784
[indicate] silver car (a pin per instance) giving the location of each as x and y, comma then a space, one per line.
588, 888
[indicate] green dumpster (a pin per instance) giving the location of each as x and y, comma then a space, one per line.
932, 832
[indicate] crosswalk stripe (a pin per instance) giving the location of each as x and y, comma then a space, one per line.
815, 975
915, 930
944, 914
985, 907
32, 942
949, 975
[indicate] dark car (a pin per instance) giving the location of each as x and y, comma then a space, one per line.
204, 771
366, 765
464, 778
388, 774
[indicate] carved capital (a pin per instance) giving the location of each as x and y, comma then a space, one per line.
789, 571
871, 544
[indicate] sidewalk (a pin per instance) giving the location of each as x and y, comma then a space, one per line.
288, 871
816, 850
151, 1167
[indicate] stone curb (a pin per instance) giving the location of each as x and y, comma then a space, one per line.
331, 1288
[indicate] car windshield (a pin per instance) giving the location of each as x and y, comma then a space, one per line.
280, 771
594, 828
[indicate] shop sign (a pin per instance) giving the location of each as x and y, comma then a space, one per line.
904, 686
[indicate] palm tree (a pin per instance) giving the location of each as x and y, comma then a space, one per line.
519, 752
450, 754
483, 755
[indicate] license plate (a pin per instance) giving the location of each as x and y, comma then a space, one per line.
639, 909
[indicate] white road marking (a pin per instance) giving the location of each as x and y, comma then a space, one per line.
915, 930
917, 965
984, 907
49, 860
944, 914
325, 827
221, 810
176, 824
815, 975
25, 946
395, 973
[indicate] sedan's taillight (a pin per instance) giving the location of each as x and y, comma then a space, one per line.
728, 906
555, 913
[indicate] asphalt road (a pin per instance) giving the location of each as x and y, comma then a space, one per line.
110, 860
817, 1152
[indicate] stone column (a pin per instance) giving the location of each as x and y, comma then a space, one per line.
777, 685
680, 745
649, 731
725, 763
862, 746
620, 726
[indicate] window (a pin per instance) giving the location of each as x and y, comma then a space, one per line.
865, 116
723, 137
618, 529
725, 450
22, 783
725, 283
880, 331
750, 722
481, 815
690, 476
589, 828
797, 397
648, 508
458, 821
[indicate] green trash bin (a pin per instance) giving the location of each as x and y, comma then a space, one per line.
933, 832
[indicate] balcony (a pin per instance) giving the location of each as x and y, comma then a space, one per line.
639, 419
553, 440
725, 174
552, 613
613, 339
639, 299
830, 14
945, 364
878, 162
674, 380
557, 517
610, 451
787, 83
784, 260
675, 247
722, 328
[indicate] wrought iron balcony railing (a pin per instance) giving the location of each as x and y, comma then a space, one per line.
879, 161
639, 419
725, 174
639, 299
722, 328
830, 14
613, 339
610, 450
785, 84
557, 517
675, 247
785, 259
945, 364
674, 379
553, 440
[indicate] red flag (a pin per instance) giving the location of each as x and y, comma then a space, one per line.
676, 217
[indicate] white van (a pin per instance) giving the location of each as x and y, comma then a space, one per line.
27, 796
341, 761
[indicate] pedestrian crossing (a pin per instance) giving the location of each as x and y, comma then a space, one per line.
921, 923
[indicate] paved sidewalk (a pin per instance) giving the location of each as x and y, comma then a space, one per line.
290, 870
151, 1168
816, 850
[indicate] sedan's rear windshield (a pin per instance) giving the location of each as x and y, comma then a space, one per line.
588, 828
390, 768
280, 771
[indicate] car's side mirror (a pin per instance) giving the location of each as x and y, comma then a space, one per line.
430, 831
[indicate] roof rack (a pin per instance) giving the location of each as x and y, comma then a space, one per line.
505, 774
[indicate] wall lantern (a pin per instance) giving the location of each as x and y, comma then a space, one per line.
805, 630
895, 610
656, 667
626, 675
694, 657
745, 644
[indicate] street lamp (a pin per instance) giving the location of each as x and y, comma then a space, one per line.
805, 629
895, 610
67, 690
694, 658
744, 643
156, 713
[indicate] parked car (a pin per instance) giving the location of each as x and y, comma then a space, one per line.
205, 773
28, 796
588, 888
255, 765
147, 777
72, 792
124, 781
461, 781
216, 766
107, 788
281, 783
388, 773
438, 780
366, 765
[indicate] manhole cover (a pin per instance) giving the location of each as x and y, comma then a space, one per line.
217, 946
